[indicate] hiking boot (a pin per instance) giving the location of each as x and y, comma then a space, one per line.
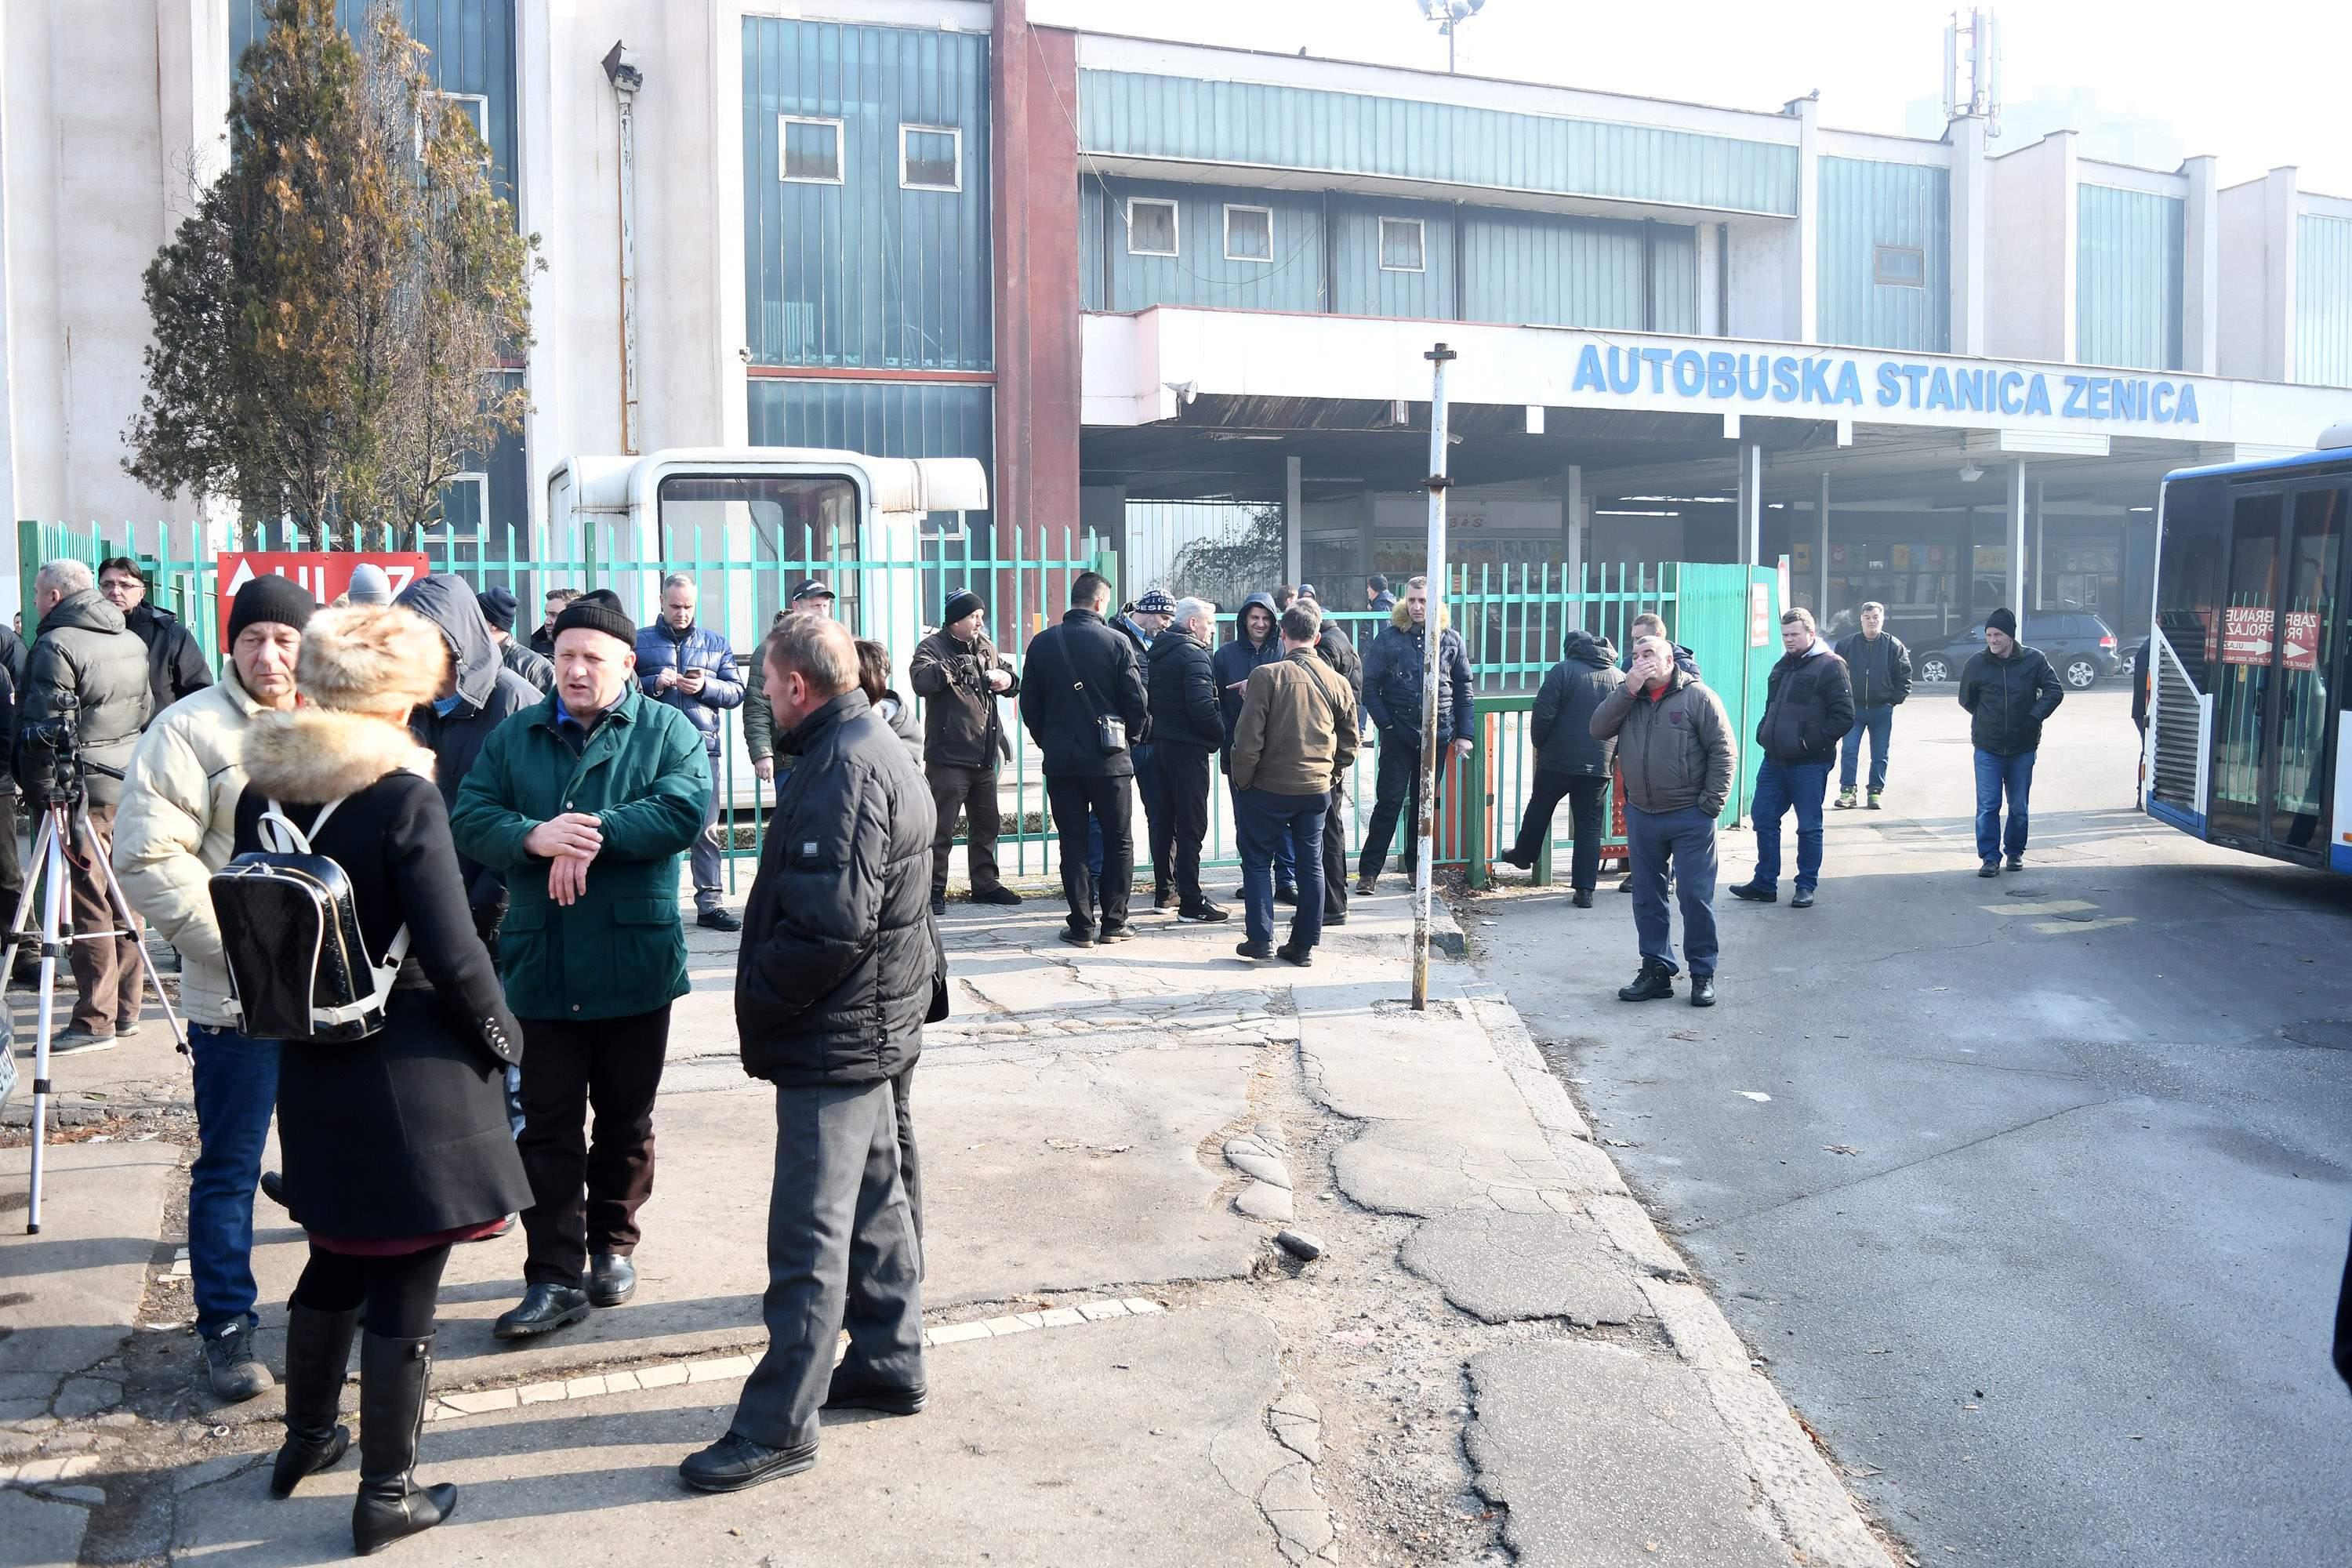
1291, 953
1255, 949
231, 1367
2016, 863
1702, 991
1655, 983
1845, 800
1873, 800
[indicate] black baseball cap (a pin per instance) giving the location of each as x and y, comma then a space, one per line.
812, 588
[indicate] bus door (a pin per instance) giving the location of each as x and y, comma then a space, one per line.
2274, 677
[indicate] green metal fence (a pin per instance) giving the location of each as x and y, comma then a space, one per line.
1512, 620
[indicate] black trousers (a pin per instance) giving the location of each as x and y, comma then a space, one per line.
398, 1292
586, 1188
971, 791
1183, 824
1112, 801
902, 1103
1584, 791
1335, 855
1396, 784
12, 861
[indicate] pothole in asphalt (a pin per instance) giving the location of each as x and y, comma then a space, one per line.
2328, 1034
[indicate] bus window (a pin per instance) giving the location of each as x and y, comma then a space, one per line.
2309, 603
2188, 611
2241, 679
771, 528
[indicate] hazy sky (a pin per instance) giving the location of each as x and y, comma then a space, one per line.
2257, 83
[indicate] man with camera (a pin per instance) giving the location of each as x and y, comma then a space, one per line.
960, 675
85, 699
176, 827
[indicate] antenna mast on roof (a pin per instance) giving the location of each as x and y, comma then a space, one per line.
1449, 15
1981, 97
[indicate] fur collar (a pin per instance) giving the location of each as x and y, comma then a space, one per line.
317, 754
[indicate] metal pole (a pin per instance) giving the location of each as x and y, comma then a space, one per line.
624, 87
1424, 826
2017, 547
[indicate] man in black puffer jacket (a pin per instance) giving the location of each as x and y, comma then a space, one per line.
837, 973
1880, 667
1570, 759
1076, 675
1186, 730
1392, 695
2009, 690
1808, 709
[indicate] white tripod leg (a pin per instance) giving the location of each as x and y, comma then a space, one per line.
49, 847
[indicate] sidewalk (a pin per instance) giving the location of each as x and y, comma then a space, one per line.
1496, 1353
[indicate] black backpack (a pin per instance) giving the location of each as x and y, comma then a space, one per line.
298, 967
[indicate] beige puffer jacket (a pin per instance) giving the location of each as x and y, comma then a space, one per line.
175, 826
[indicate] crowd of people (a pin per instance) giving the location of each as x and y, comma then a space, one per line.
511, 816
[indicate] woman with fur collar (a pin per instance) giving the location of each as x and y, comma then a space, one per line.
396, 1145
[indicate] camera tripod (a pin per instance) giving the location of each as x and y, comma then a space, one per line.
65, 815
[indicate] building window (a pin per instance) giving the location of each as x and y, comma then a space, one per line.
1150, 227
930, 158
1900, 265
1249, 234
474, 106
810, 149
1404, 245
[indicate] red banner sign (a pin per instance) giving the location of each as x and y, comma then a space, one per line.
2302, 639
327, 573
2246, 637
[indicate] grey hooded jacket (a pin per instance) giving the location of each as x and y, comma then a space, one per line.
488, 695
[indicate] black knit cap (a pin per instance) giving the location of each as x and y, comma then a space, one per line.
276, 599
598, 610
961, 603
2003, 620
498, 608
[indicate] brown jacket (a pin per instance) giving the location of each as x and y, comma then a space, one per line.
1297, 734
1676, 751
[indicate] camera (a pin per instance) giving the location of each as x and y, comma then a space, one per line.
49, 753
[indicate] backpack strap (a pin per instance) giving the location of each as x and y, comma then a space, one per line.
276, 825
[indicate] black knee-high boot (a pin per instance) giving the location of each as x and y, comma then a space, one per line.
390, 1505
318, 1353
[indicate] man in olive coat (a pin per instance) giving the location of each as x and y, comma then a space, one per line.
584, 801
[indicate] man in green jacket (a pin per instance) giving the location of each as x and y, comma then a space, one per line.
585, 801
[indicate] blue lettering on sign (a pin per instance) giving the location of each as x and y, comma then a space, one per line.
1720, 375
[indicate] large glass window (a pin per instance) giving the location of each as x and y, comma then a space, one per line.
2307, 639
2241, 675
758, 535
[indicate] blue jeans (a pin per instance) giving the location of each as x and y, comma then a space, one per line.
1879, 724
1997, 776
1286, 860
237, 1091
1779, 786
1269, 821
1686, 839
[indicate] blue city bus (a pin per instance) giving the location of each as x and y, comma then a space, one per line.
2248, 648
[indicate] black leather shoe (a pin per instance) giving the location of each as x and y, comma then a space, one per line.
938, 905
1803, 899
1331, 920
1512, 857
1756, 895
273, 1187
1285, 896
997, 896
1652, 984
735, 1462
847, 1393
1701, 990
1077, 938
2016, 863
394, 1375
1163, 899
542, 1310
1109, 934
611, 1280
718, 920
318, 1353
1291, 953
1366, 886
1255, 949
1207, 914
1583, 898
1989, 869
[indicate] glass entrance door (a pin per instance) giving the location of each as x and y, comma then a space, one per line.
2240, 674
2303, 787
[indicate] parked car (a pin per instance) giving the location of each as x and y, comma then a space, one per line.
2081, 647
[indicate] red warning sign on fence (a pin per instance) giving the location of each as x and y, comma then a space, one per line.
325, 573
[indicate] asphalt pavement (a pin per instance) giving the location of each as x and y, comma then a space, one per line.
2032, 1192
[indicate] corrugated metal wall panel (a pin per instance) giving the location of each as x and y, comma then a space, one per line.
1866, 203
1198, 273
1673, 275
1535, 269
1140, 115
863, 273
2130, 251
472, 44
2323, 299
1364, 289
883, 418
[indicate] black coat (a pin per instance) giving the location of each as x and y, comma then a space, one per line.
12, 680
84, 649
176, 667
1807, 707
1561, 727
1182, 686
1392, 683
961, 728
1061, 716
1232, 663
2008, 698
404, 1133
839, 954
1338, 650
1879, 668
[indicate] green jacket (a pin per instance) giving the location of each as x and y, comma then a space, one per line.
645, 775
